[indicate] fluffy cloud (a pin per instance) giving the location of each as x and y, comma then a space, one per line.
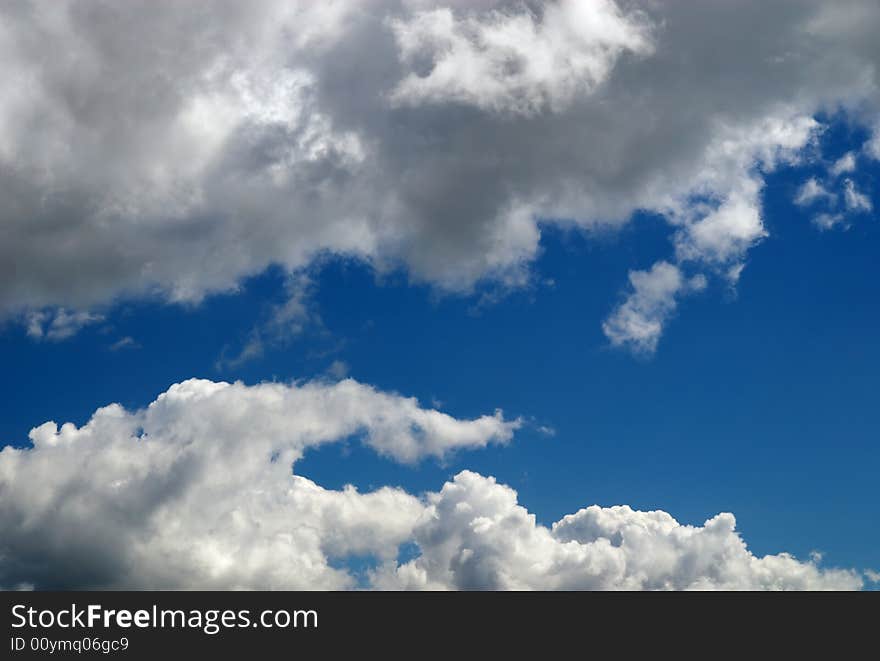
476, 536
725, 233
518, 63
196, 490
175, 152
638, 321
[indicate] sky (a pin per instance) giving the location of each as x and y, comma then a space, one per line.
417, 295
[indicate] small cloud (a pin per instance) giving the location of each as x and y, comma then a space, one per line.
829, 221
698, 283
846, 163
59, 324
856, 201
873, 576
285, 321
126, 342
638, 321
812, 191
338, 369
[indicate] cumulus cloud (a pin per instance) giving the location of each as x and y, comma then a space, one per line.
519, 63
638, 321
175, 152
719, 232
476, 536
725, 233
196, 490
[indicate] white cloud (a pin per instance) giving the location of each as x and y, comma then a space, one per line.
856, 201
476, 536
734, 273
520, 63
126, 342
638, 322
812, 191
725, 233
196, 490
828, 221
846, 163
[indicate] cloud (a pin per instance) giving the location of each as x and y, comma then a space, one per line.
725, 233
846, 163
284, 322
126, 342
872, 146
476, 536
828, 221
338, 369
58, 324
173, 153
638, 322
517, 63
855, 201
812, 191
196, 491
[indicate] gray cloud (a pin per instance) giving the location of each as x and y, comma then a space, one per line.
59, 324
173, 152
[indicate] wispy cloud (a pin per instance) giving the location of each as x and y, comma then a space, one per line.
58, 324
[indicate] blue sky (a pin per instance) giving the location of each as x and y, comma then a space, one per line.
760, 401
438, 294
